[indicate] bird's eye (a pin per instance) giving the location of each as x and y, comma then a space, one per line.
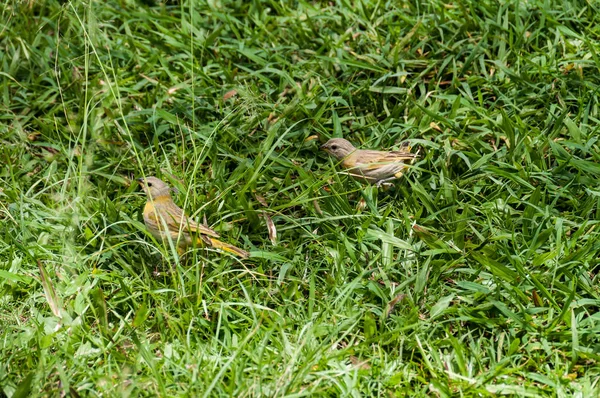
334, 147
149, 184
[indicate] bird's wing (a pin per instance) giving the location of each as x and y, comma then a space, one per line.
370, 159
176, 217
203, 229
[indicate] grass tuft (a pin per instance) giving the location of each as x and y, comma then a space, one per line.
475, 275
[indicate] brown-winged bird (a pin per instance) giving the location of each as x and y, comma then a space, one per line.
163, 217
376, 167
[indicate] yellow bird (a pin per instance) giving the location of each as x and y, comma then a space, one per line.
163, 217
378, 167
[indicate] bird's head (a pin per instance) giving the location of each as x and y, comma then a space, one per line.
154, 187
338, 148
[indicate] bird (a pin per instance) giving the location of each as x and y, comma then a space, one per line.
164, 218
378, 167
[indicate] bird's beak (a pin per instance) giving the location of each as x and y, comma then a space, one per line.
140, 180
322, 147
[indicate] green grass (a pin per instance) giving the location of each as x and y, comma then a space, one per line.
476, 275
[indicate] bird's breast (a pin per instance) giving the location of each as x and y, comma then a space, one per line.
349, 161
148, 208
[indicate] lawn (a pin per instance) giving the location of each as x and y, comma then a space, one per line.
475, 275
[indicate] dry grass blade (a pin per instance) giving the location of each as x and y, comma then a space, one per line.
271, 228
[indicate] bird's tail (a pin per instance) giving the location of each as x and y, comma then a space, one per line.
228, 248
